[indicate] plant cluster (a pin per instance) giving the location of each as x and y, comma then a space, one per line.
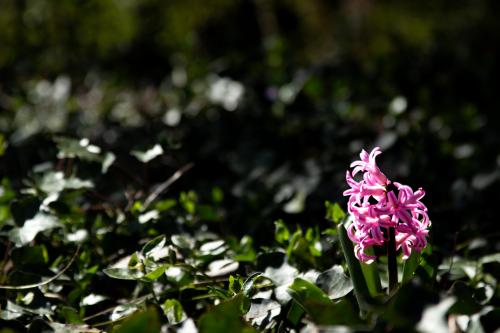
78, 261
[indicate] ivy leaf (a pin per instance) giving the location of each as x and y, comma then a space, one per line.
225, 317
40, 222
92, 299
148, 155
281, 232
71, 148
155, 248
262, 309
108, 160
70, 315
302, 290
318, 305
155, 274
334, 212
31, 256
13, 311
122, 311
144, 322
221, 267
173, 311
334, 282
55, 182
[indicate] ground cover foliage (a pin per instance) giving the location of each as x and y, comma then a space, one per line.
160, 175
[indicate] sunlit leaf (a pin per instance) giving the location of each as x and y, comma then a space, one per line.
154, 248
334, 282
410, 266
334, 212
70, 148
318, 305
122, 311
281, 233
108, 160
221, 267
92, 299
39, 223
148, 155
172, 308
262, 310
155, 274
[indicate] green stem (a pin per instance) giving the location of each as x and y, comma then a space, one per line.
392, 264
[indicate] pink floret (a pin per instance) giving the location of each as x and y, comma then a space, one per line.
376, 206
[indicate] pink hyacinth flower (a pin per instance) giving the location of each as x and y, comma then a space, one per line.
376, 204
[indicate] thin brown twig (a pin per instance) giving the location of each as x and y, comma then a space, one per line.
39, 284
163, 186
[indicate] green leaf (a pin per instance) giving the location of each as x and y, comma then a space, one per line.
24, 208
55, 182
151, 276
188, 201
155, 248
372, 278
358, 280
13, 311
108, 160
92, 299
71, 148
144, 322
318, 305
123, 311
70, 315
148, 155
217, 195
429, 264
225, 317
164, 205
213, 248
123, 273
245, 251
334, 282
31, 256
302, 290
334, 212
465, 303
249, 283
297, 203
494, 257
281, 233
221, 267
183, 242
207, 213
262, 311
235, 284
295, 313
410, 266
173, 311
39, 223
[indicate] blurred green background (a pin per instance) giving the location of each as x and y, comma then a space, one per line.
270, 99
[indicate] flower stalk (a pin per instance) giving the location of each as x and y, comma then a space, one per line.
384, 214
392, 264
